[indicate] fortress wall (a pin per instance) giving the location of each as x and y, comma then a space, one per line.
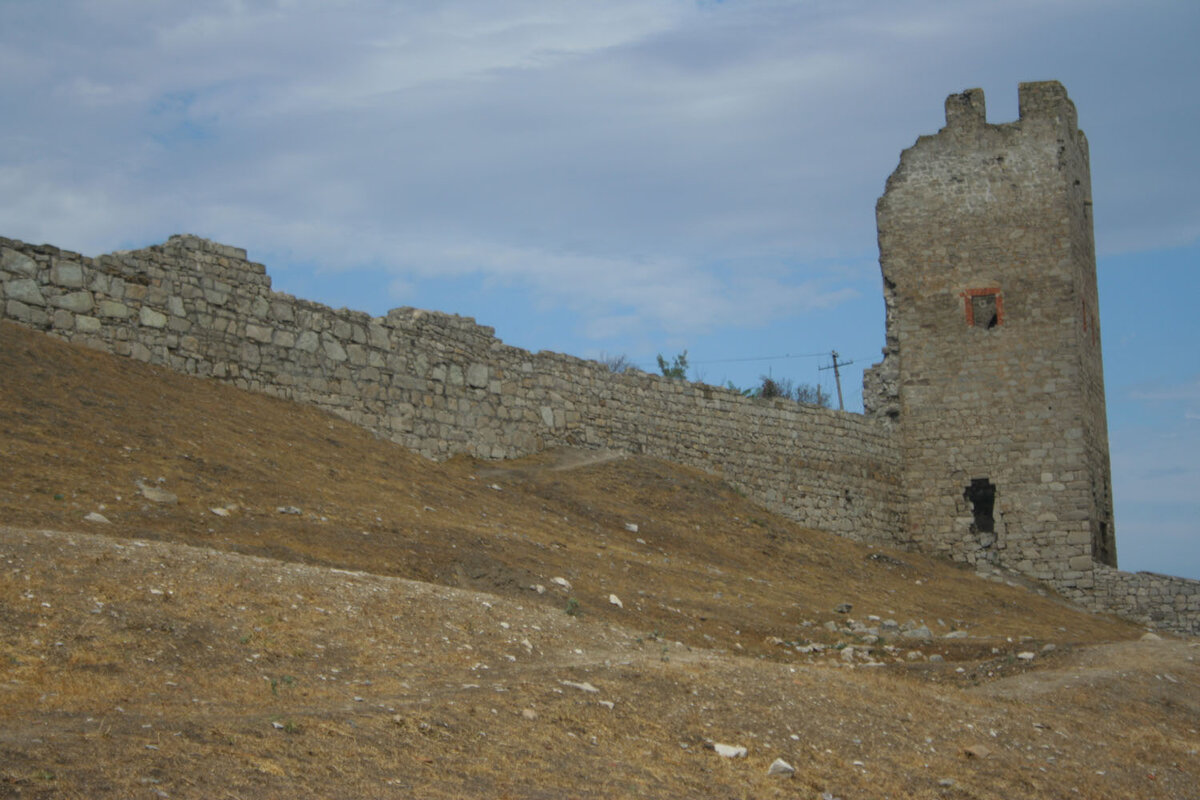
985, 438
441, 384
1164, 601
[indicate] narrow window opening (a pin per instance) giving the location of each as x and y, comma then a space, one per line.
985, 308
981, 494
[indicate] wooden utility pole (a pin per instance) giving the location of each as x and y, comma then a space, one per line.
837, 376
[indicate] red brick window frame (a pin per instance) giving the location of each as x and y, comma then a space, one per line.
977, 301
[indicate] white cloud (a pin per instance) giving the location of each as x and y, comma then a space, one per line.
647, 158
1188, 390
1157, 467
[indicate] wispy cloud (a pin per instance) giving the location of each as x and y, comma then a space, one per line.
1186, 390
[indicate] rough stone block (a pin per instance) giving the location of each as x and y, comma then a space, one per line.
76, 302
150, 318
86, 324
17, 262
333, 349
282, 311
25, 290
377, 336
477, 376
259, 333
1082, 563
307, 342
112, 309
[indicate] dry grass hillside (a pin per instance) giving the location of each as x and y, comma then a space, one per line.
382, 636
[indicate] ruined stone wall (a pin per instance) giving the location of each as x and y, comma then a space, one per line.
992, 371
440, 384
1164, 601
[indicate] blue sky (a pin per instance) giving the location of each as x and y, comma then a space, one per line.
624, 177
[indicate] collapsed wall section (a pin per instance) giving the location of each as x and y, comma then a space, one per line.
440, 384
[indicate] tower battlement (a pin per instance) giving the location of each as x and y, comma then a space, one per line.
1040, 101
1046, 100
966, 109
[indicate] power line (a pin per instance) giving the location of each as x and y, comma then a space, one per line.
837, 376
759, 358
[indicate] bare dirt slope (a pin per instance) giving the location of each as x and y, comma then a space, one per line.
385, 641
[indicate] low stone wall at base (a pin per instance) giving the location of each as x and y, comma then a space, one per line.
1164, 601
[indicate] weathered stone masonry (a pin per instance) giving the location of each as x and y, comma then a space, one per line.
992, 375
441, 384
985, 436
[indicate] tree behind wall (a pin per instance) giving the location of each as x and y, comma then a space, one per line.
677, 369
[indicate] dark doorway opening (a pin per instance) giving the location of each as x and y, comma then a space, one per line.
981, 494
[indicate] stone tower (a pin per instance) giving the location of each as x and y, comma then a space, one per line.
992, 374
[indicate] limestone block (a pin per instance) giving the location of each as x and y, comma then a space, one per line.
67, 274
477, 376
175, 306
377, 336
259, 333
99, 283
17, 262
76, 302
86, 324
150, 318
307, 342
332, 349
26, 290
1080, 562
282, 311
112, 309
